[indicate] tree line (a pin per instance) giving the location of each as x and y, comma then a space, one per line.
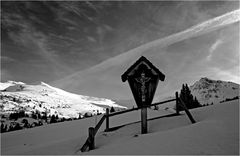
187, 97
41, 117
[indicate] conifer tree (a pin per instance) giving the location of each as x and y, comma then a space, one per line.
187, 98
112, 109
10, 128
6, 128
183, 93
53, 119
34, 116
17, 126
2, 128
196, 103
56, 117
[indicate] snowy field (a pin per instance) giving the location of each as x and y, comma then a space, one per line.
216, 132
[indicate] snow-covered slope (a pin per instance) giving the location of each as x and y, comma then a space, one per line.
45, 98
210, 91
7, 84
216, 132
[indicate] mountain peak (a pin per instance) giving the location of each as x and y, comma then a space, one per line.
203, 83
214, 91
205, 79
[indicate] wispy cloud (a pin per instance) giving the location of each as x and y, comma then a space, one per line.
76, 35
39, 43
6, 59
12, 20
213, 48
91, 39
80, 8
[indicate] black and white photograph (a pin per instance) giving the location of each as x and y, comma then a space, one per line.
120, 77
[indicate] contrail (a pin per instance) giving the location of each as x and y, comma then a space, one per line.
202, 28
199, 29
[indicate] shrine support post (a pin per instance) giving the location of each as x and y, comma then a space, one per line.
144, 120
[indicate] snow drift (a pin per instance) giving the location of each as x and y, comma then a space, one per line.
216, 132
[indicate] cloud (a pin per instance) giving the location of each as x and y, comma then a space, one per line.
45, 51
213, 48
233, 76
62, 33
6, 59
80, 8
39, 45
91, 39
102, 30
68, 40
10, 20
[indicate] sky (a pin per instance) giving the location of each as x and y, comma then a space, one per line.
47, 41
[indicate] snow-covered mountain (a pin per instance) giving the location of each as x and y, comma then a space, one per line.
210, 91
17, 96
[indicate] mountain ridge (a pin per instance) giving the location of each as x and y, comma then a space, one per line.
55, 101
45, 98
209, 91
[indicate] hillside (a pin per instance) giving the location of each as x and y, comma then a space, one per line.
198, 51
216, 132
210, 91
16, 96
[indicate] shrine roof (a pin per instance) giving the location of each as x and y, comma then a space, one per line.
125, 75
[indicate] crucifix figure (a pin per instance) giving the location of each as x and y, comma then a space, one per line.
143, 80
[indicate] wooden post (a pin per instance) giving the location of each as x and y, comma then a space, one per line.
177, 103
144, 120
107, 120
187, 111
91, 138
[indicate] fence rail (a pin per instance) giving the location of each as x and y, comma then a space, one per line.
93, 131
133, 109
99, 124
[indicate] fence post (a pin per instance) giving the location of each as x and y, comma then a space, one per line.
91, 138
107, 120
177, 103
187, 111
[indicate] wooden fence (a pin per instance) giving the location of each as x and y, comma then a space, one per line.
90, 142
91, 134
